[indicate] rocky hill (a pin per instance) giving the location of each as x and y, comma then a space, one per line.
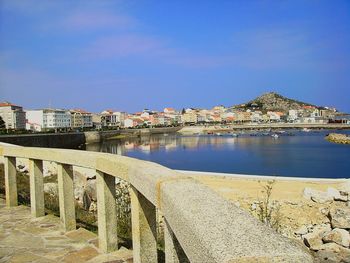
274, 102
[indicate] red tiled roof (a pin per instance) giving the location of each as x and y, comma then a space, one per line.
6, 104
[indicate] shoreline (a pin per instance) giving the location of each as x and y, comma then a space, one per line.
272, 126
263, 177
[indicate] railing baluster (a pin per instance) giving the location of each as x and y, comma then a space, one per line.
66, 196
10, 181
144, 228
36, 187
106, 212
173, 250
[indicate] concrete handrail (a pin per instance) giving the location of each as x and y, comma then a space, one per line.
200, 225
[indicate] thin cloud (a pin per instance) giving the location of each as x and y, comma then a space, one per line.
88, 20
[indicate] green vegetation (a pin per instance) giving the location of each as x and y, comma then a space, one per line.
268, 210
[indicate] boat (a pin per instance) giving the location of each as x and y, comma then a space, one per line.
234, 135
218, 134
275, 136
306, 130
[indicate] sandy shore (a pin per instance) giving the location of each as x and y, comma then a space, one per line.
236, 186
296, 210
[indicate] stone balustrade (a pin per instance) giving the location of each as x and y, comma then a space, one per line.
200, 226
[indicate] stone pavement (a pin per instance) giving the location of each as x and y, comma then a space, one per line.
27, 239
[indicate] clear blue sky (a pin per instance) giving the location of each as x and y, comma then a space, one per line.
134, 54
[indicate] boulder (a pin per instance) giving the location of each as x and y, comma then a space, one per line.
314, 239
333, 253
51, 188
333, 192
339, 236
340, 217
317, 196
337, 195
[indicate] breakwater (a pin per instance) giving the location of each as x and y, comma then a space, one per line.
74, 140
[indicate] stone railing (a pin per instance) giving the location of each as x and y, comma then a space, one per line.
200, 226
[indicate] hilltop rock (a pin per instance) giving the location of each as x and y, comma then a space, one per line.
276, 102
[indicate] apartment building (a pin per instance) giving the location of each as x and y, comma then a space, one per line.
13, 116
45, 119
81, 119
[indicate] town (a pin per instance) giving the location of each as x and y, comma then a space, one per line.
14, 117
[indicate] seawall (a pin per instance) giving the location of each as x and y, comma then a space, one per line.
50, 140
76, 139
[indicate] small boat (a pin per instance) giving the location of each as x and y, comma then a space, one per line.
306, 130
218, 134
235, 135
275, 136
266, 134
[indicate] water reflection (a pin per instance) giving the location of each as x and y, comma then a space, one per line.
306, 155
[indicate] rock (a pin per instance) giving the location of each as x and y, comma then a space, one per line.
321, 198
302, 230
51, 188
317, 196
340, 217
339, 236
93, 207
338, 138
314, 240
333, 192
308, 192
336, 194
332, 252
323, 210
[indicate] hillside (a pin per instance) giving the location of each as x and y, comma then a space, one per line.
274, 102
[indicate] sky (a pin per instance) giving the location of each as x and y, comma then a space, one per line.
135, 54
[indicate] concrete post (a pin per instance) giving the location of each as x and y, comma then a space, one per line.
173, 250
36, 187
10, 181
106, 212
144, 228
66, 196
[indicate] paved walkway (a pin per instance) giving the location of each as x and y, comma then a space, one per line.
27, 239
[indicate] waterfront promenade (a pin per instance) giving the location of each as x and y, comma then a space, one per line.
27, 239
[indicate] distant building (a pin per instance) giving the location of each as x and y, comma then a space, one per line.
81, 119
45, 119
111, 118
13, 116
169, 110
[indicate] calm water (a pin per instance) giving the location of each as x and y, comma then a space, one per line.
302, 155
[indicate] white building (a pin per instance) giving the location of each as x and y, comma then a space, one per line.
112, 118
13, 116
48, 119
128, 123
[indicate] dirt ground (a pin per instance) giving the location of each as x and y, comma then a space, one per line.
295, 209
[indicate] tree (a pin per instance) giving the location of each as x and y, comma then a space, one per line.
183, 111
2, 123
